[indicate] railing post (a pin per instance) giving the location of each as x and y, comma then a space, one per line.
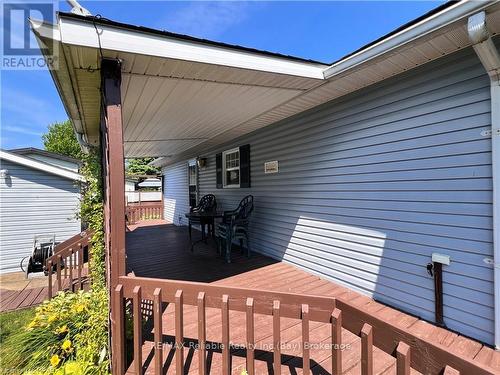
157, 311
71, 269
179, 333
119, 339
306, 366
403, 359
226, 359
336, 342
276, 338
49, 270
137, 318
250, 337
202, 359
448, 370
58, 273
366, 350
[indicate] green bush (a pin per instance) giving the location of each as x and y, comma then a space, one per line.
70, 328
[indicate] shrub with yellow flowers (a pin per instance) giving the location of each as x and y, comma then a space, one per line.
70, 327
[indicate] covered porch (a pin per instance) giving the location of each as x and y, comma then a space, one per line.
161, 250
137, 92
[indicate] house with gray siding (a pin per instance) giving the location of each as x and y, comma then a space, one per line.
39, 195
378, 172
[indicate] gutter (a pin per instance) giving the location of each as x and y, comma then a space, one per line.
490, 58
444, 18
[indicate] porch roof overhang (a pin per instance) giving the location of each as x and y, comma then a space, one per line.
183, 96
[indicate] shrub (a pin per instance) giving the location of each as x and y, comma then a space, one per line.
69, 330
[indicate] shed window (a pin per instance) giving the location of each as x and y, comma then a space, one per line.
231, 166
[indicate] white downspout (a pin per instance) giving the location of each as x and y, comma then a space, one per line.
490, 58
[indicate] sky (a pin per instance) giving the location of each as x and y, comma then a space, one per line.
323, 31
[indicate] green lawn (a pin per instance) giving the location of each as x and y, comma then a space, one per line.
11, 322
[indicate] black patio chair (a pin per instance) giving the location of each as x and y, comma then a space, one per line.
234, 226
207, 203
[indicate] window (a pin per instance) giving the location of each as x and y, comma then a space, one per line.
193, 183
231, 168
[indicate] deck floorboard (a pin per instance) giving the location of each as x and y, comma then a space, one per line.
162, 251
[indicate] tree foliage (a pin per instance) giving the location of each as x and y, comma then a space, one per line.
140, 166
60, 138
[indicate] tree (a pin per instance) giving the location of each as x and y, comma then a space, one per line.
139, 166
60, 138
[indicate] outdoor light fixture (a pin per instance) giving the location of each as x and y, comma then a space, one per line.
4, 173
202, 162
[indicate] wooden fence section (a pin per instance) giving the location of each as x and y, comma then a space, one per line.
409, 351
68, 263
143, 212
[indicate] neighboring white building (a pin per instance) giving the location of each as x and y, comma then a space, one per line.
39, 195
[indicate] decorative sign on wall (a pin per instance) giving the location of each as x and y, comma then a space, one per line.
271, 166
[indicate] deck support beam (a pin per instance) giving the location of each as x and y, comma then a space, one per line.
113, 163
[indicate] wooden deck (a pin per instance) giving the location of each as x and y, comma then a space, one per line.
162, 251
11, 300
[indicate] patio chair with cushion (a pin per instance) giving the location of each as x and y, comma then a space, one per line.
234, 226
207, 203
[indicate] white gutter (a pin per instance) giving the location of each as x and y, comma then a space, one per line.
490, 58
439, 20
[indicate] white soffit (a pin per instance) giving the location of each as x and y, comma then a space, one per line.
182, 98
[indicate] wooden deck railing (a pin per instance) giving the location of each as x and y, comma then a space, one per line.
68, 260
409, 350
141, 212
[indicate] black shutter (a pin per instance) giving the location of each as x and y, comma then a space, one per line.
245, 166
218, 170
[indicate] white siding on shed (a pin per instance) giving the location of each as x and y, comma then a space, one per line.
371, 185
33, 202
176, 202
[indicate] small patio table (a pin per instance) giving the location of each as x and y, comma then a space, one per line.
205, 218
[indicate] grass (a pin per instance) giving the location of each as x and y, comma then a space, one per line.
13, 321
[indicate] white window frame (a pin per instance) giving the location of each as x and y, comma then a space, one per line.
225, 169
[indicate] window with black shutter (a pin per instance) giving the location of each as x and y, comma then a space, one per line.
233, 168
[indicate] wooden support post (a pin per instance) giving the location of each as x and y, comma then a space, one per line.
115, 166
113, 161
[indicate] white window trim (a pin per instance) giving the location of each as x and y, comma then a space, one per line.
224, 169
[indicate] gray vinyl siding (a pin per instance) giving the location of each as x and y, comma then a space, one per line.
175, 195
369, 186
33, 202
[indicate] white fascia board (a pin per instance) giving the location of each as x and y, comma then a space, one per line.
83, 33
439, 20
35, 164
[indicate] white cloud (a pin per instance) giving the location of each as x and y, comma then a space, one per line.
206, 19
21, 130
